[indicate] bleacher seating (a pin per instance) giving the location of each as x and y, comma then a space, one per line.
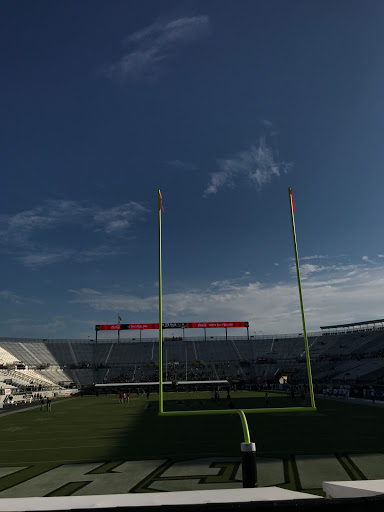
341, 356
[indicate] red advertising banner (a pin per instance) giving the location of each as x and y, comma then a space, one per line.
176, 325
143, 326
123, 327
209, 325
113, 327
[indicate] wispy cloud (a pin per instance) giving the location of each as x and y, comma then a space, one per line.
113, 301
119, 218
151, 48
271, 126
28, 326
182, 165
331, 294
314, 257
23, 232
40, 259
309, 268
256, 166
36, 259
49, 215
13, 298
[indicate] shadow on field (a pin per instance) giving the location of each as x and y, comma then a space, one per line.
334, 428
102, 429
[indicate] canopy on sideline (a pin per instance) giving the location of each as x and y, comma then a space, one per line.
116, 384
183, 382
186, 382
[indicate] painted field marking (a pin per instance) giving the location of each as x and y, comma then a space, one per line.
371, 465
314, 469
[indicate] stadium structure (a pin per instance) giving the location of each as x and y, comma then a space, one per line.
341, 355
347, 361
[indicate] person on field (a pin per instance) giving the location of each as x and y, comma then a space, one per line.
41, 404
48, 404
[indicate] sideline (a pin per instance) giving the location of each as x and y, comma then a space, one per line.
28, 407
352, 399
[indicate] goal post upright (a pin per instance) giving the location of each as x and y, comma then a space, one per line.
292, 208
160, 207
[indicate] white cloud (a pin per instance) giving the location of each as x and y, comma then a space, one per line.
330, 294
380, 255
257, 166
151, 48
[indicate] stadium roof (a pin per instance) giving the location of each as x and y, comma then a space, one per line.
353, 324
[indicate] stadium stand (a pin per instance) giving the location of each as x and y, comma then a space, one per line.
344, 357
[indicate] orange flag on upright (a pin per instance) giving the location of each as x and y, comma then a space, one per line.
161, 201
293, 204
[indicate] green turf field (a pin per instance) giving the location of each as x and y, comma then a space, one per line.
96, 445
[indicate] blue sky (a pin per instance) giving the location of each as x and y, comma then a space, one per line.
222, 105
